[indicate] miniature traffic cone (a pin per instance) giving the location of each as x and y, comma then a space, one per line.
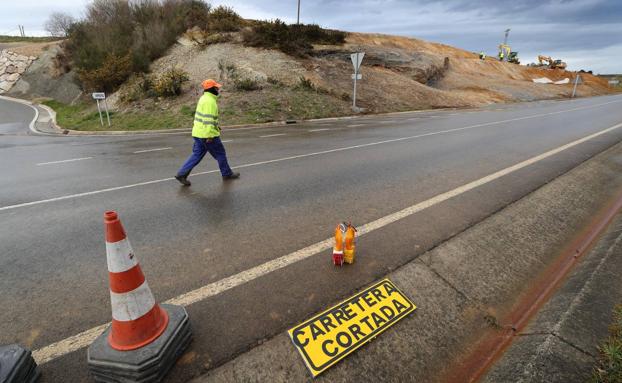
350, 244
338, 248
145, 339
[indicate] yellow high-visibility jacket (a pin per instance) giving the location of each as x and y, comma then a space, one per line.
206, 117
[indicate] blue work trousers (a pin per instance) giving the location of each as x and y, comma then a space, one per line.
201, 147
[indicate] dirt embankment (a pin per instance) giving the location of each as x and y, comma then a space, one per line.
399, 74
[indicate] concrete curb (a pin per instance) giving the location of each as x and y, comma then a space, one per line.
58, 130
464, 288
560, 343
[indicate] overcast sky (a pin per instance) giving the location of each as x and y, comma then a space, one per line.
585, 33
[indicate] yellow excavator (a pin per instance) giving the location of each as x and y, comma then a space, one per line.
552, 64
506, 54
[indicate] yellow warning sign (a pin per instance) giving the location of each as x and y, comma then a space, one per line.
335, 333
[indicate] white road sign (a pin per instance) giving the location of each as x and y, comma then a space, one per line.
99, 96
357, 59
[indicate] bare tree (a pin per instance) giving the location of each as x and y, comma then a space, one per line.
59, 23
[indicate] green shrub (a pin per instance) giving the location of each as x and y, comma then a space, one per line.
169, 83
224, 19
296, 40
246, 84
608, 368
135, 89
140, 30
305, 84
227, 70
113, 72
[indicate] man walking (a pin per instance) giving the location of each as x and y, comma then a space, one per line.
206, 134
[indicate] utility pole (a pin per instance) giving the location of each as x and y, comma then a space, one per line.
298, 19
505, 40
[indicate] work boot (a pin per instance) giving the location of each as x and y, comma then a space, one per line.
232, 176
183, 180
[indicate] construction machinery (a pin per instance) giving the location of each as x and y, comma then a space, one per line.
513, 58
505, 52
552, 64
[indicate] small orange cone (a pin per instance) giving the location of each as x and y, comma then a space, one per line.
137, 319
350, 244
338, 248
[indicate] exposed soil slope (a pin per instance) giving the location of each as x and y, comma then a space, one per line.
399, 73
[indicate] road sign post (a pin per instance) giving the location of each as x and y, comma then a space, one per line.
97, 96
357, 59
577, 81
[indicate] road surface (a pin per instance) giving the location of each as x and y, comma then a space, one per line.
220, 240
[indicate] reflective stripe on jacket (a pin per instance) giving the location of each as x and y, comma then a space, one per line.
206, 117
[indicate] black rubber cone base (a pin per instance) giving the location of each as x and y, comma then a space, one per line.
17, 365
146, 364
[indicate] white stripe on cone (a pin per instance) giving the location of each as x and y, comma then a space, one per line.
132, 305
120, 256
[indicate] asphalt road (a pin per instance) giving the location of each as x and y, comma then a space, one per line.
297, 182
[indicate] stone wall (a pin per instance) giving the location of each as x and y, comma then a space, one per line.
12, 66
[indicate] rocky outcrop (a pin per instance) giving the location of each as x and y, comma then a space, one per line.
12, 66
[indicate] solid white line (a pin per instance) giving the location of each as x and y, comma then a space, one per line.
273, 135
151, 150
318, 130
355, 125
79, 195
63, 161
225, 141
83, 339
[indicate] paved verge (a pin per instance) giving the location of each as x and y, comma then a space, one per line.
465, 285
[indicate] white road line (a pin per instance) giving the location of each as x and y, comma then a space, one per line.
273, 135
318, 130
355, 125
224, 141
151, 150
85, 194
64, 161
83, 339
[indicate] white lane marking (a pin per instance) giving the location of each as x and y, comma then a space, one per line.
224, 141
79, 195
64, 161
318, 130
83, 339
355, 125
273, 135
152, 150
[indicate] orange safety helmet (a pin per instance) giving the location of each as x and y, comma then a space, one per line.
209, 83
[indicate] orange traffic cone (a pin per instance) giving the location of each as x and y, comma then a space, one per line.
338, 248
145, 339
137, 319
350, 244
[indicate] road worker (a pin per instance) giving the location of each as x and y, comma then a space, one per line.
206, 135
